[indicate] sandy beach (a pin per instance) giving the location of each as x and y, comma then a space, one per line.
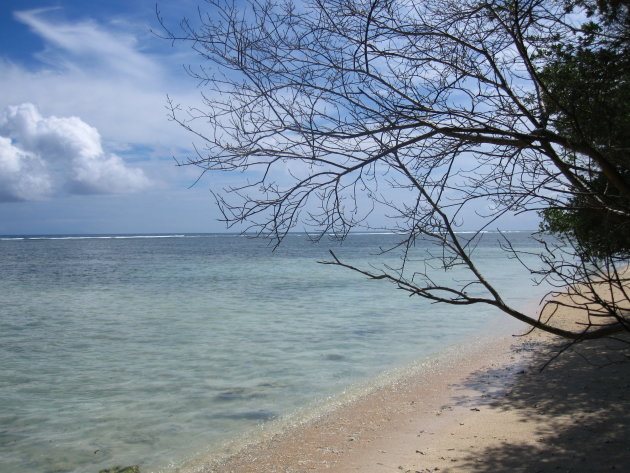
485, 407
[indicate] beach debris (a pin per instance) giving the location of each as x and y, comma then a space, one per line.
122, 469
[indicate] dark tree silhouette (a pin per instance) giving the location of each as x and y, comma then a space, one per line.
421, 111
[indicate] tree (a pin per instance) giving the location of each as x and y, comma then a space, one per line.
588, 96
423, 111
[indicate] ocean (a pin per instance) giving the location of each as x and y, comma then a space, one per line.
153, 349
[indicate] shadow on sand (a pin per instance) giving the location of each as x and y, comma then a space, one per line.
580, 404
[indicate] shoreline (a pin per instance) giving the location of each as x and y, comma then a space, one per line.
325, 433
484, 407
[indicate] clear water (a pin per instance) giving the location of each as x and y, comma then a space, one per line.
150, 350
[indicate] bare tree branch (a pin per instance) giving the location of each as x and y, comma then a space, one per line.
333, 109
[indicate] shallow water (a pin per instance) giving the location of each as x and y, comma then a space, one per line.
150, 350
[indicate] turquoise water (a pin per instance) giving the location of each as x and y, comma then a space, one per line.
151, 350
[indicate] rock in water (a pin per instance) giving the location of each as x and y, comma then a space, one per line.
122, 469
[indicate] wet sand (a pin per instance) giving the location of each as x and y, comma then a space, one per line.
484, 407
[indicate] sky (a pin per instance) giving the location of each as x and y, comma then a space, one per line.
85, 142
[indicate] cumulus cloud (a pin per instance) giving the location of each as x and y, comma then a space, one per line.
43, 156
114, 76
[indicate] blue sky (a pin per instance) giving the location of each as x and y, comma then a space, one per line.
85, 143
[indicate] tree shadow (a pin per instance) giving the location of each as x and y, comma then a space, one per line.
580, 403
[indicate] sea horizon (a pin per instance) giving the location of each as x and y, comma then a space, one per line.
35, 236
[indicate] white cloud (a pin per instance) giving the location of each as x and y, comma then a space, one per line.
23, 175
103, 73
86, 42
42, 156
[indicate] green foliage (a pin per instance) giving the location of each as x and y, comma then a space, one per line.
598, 234
588, 99
587, 95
